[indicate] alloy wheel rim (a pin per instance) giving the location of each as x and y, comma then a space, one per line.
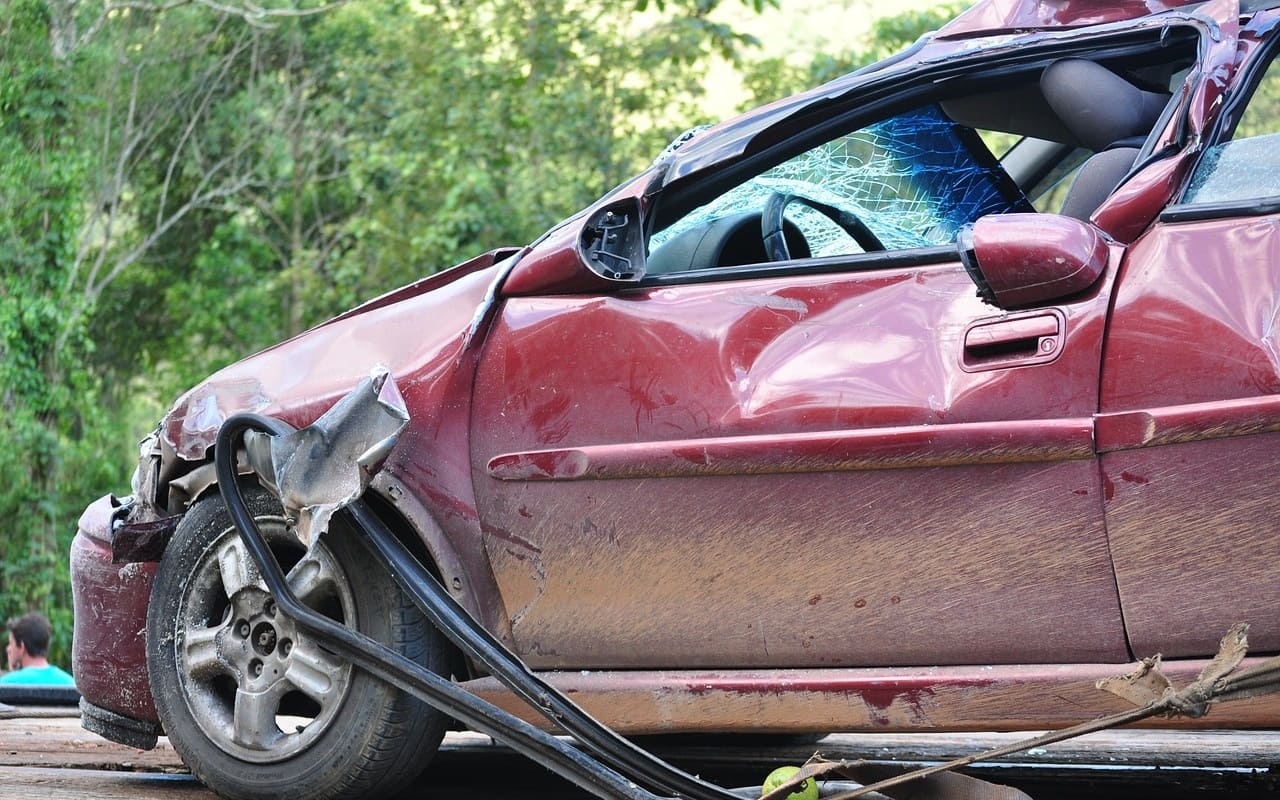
258, 687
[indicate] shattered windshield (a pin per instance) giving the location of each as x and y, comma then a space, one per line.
913, 179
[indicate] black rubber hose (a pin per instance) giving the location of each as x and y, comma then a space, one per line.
561, 757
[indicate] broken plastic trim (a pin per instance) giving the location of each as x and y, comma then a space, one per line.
565, 759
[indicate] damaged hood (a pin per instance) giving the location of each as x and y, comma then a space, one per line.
299, 379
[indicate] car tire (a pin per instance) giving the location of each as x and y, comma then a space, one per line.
255, 707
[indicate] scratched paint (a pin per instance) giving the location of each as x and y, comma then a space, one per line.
1191, 358
825, 700
719, 425
108, 654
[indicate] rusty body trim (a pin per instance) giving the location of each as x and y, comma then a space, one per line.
1003, 442
1192, 422
1003, 698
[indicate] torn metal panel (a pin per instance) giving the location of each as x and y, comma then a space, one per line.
300, 381
989, 16
318, 469
142, 541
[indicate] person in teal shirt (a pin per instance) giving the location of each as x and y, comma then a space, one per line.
27, 650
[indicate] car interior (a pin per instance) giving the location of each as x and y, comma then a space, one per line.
1057, 138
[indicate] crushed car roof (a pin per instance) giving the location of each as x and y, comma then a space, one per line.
998, 16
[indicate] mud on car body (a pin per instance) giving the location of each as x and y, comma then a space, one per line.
904, 403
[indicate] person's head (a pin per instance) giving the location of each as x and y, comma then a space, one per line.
28, 640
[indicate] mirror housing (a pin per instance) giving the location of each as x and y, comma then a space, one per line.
612, 243
1020, 260
599, 251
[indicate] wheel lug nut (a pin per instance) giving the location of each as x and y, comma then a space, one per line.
264, 639
286, 647
255, 668
270, 608
242, 629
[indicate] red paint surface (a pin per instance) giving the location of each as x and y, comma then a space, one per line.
1244, 416
1035, 259
1128, 211
718, 411
882, 448
1191, 402
108, 652
423, 339
824, 700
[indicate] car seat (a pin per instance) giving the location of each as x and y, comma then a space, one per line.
1106, 114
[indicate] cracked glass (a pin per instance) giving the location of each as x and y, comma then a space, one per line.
1248, 166
913, 179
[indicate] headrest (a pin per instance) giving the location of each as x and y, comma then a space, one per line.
1098, 106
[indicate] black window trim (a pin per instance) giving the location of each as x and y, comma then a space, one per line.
1198, 212
857, 262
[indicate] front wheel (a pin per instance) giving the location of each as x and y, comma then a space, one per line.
256, 707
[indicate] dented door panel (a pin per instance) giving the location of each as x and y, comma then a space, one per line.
651, 447
1191, 402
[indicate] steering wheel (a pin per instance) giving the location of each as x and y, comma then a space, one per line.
771, 224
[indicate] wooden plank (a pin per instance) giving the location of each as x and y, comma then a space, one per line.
42, 757
88, 784
1144, 748
61, 742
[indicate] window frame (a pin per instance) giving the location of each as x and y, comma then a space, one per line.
1222, 130
881, 101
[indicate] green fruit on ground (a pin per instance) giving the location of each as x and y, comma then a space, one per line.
805, 791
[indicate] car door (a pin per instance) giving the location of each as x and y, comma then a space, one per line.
840, 458
1191, 391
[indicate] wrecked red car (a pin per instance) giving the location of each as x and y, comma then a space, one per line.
921, 400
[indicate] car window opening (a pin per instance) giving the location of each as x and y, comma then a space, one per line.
1066, 136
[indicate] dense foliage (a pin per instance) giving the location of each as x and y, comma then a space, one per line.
183, 186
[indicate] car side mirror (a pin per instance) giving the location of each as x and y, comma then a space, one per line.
597, 252
612, 243
1020, 260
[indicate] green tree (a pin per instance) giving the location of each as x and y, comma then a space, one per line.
771, 78
484, 122
42, 383
186, 182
